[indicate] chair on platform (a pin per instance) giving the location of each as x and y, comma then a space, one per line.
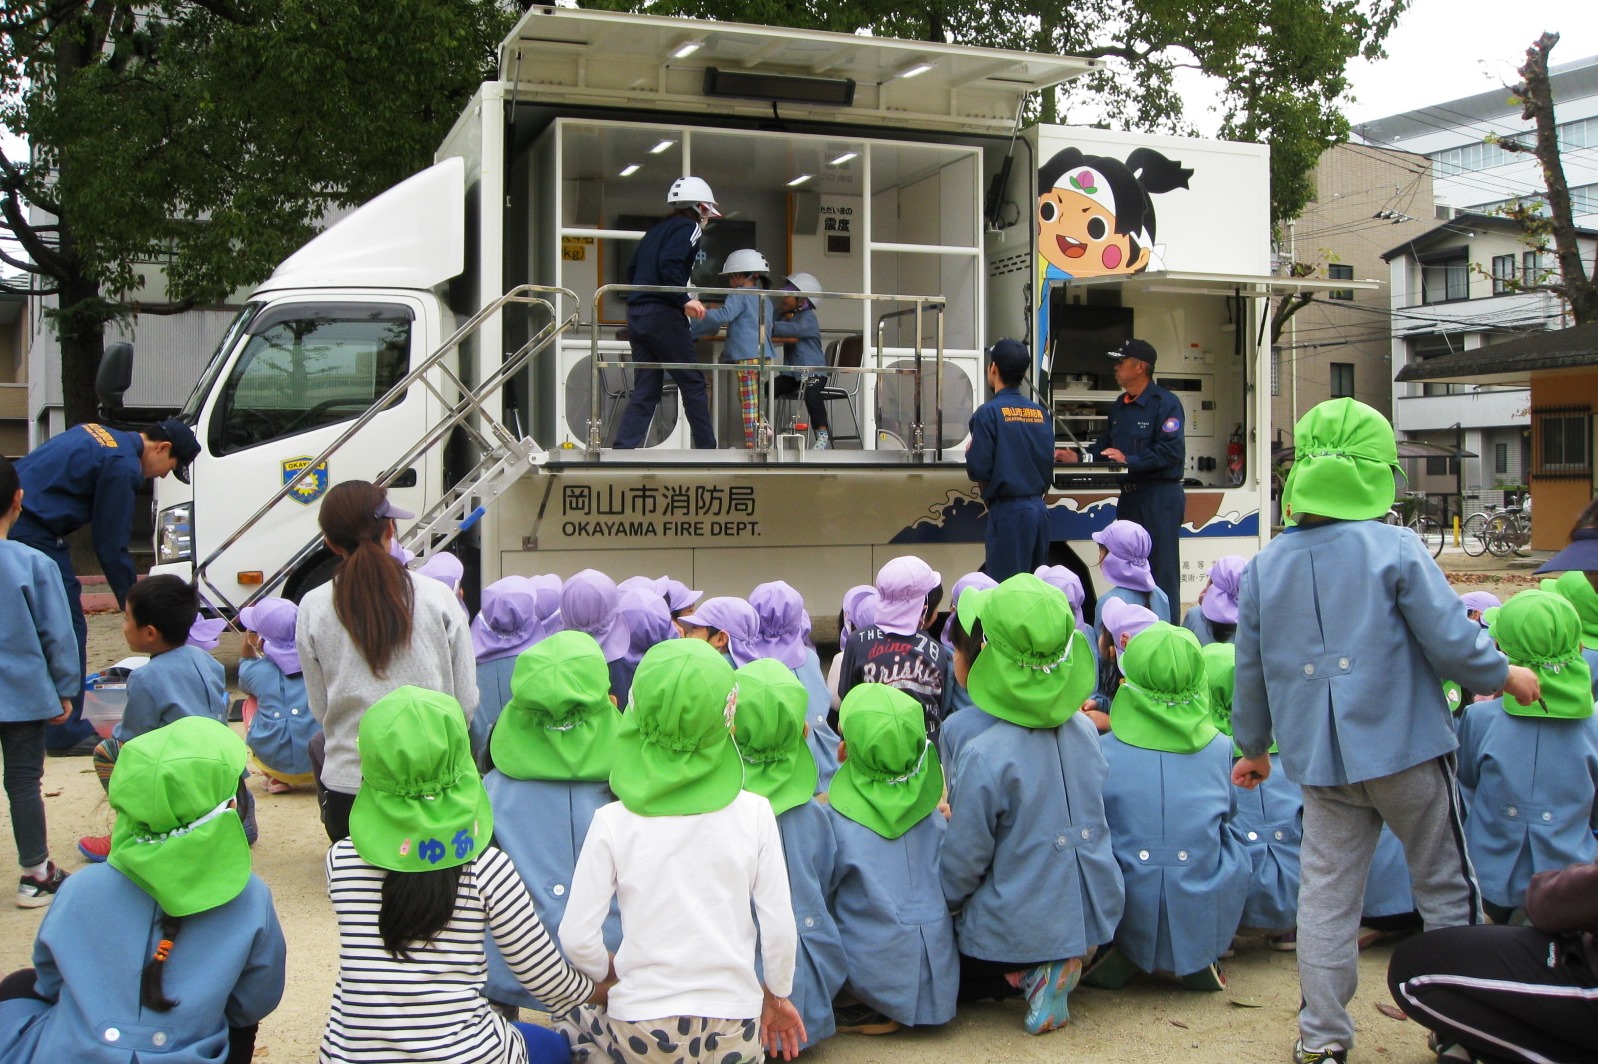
845, 354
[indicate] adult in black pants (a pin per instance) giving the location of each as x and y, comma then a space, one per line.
657, 322
1492, 994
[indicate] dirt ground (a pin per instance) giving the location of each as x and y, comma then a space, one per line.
1150, 1022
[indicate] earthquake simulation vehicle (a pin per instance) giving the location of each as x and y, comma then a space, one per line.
461, 336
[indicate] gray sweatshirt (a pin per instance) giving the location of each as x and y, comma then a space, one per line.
340, 686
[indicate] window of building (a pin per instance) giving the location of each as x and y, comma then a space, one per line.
1438, 465
1427, 347
1340, 272
1503, 273
1531, 267
1500, 458
1342, 380
1445, 280
1563, 443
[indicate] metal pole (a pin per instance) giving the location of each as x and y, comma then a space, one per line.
595, 435
939, 309
917, 436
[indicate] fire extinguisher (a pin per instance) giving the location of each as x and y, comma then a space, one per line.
1234, 457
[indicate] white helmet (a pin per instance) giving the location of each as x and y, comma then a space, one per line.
693, 192
804, 282
745, 260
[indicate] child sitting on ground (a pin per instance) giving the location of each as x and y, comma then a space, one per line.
280, 729
506, 625
896, 649
588, 603
1124, 559
784, 634
1118, 622
1214, 618
648, 621
1575, 587
547, 771
1028, 909
696, 864
1532, 770
730, 625
897, 932
769, 728
1169, 803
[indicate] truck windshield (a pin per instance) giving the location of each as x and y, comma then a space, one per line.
191, 409
304, 367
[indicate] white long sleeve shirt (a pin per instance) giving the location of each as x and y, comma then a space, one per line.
685, 884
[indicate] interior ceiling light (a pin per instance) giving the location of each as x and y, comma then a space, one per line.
629, 170
914, 70
845, 157
686, 49
801, 179
662, 146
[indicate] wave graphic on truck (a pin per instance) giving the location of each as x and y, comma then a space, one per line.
963, 518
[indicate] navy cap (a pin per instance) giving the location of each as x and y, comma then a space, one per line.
1011, 357
185, 447
1141, 350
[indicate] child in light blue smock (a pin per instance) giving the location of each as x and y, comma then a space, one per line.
957, 730
1575, 587
784, 634
1269, 820
281, 727
1170, 806
1027, 864
1533, 770
748, 318
769, 729
1118, 622
172, 951
648, 619
1124, 559
549, 760
886, 893
508, 623
1214, 617
799, 330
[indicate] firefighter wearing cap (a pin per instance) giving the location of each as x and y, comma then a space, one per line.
1147, 434
1011, 457
88, 475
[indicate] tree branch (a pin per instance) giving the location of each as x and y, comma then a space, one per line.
22, 264
48, 260
163, 309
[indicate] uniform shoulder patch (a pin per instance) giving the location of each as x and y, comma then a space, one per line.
1171, 424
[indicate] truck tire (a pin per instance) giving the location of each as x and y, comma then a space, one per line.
316, 571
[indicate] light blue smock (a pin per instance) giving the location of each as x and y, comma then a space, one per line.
1270, 821
1105, 669
822, 739
280, 734
1195, 621
40, 664
821, 967
183, 682
493, 693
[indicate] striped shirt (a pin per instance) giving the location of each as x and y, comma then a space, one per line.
430, 1007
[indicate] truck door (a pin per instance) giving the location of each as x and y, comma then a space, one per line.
304, 370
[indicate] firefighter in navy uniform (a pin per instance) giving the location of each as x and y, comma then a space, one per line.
1146, 434
1011, 457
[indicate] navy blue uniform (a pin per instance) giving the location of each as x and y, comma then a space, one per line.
1150, 431
1012, 458
87, 475
657, 328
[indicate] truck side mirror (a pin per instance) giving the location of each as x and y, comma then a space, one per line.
114, 377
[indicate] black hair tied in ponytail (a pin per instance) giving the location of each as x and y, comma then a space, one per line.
151, 994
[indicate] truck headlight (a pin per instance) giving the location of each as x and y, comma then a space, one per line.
174, 534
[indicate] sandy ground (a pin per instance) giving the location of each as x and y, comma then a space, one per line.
1148, 1023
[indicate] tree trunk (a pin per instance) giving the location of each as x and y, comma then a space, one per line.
81, 332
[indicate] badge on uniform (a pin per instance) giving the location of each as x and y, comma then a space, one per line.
313, 487
1171, 425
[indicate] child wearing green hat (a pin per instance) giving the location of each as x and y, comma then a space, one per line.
897, 932
547, 771
1027, 864
1532, 770
415, 888
1169, 803
170, 950
1576, 588
1363, 628
770, 727
696, 864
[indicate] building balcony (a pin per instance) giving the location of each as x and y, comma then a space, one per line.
1525, 311
1482, 409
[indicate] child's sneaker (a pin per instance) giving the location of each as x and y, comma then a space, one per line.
37, 893
1334, 1053
1286, 942
1047, 988
95, 847
277, 786
1448, 1052
1209, 978
861, 1018
823, 440
1110, 970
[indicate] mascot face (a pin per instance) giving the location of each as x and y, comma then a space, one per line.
1076, 228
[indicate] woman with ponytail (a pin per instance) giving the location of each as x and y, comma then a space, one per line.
376, 626
171, 950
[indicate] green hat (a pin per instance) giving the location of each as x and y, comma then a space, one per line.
1220, 674
1542, 631
175, 835
1343, 463
421, 804
1036, 668
559, 723
891, 778
1164, 703
674, 751
1576, 589
769, 730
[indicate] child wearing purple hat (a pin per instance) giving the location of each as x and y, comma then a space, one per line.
1067, 581
588, 603
678, 595
648, 619
896, 649
1121, 621
280, 730
507, 624
1214, 618
728, 624
959, 726
784, 635
1124, 557
858, 611
447, 570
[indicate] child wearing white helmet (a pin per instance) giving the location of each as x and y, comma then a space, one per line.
799, 329
657, 322
747, 318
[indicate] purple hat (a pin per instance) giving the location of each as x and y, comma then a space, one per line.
784, 624
1067, 581
635, 583
735, 617
1122, 618
445, 568
273, 620
588, 604
1128, 562
546, 589
399, 553
508, 622
678, 595
902, 588
206, 632
859, 608
648, 620
389, 510
1479, 600
1219, 603
979, 581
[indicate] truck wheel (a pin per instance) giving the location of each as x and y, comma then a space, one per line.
314, 573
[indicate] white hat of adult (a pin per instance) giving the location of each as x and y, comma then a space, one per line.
693, 191
804, 282
745, 260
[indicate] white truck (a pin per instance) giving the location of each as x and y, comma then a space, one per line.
460, 336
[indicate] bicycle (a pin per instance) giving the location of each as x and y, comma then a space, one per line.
1428, 528
1508, 531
